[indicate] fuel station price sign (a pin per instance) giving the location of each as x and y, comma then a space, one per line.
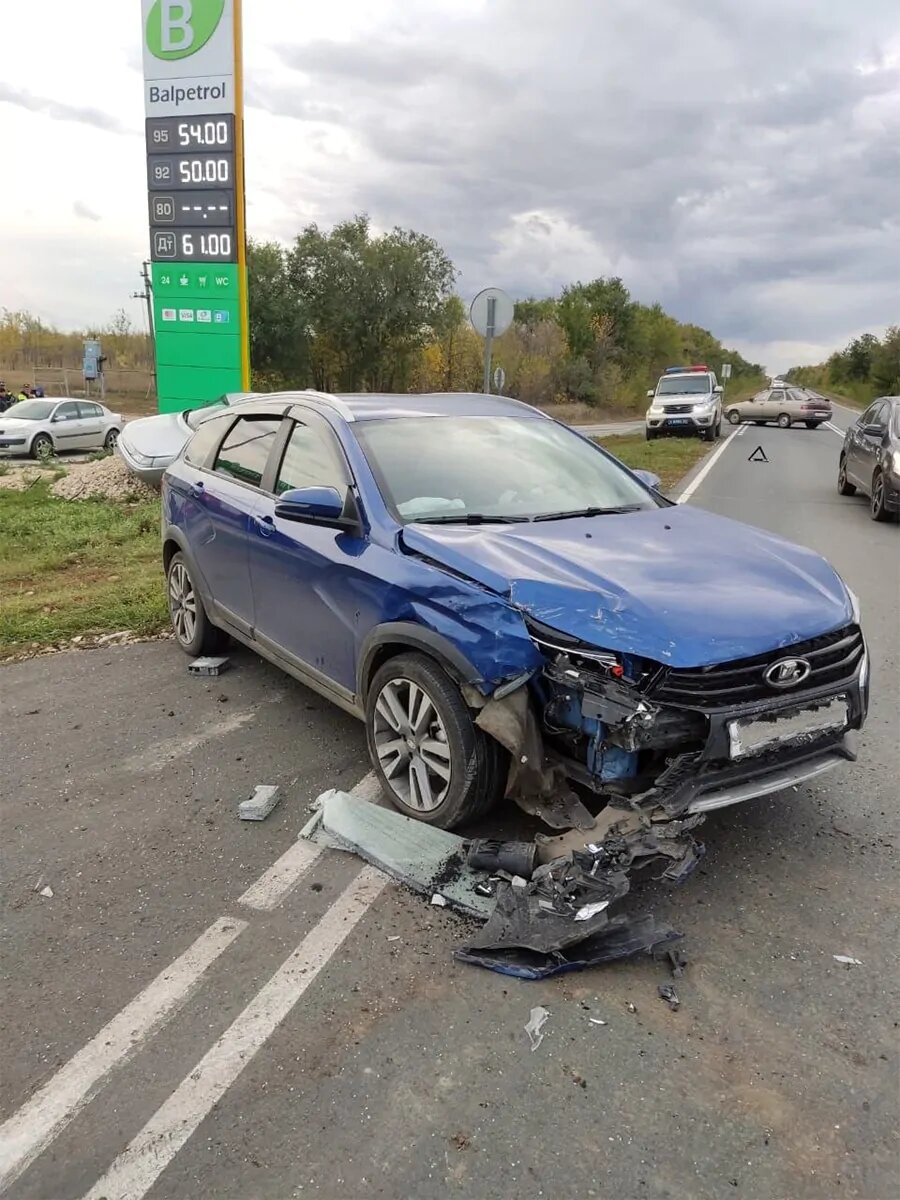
195, 198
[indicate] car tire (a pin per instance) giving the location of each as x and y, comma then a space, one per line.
412, 689
194, 632
719, 427
784, 421
650, 434
109, 442
733, 417
844, 488
709, 435
42, 447
877, 507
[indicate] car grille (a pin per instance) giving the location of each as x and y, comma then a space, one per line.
834, 659
678, 409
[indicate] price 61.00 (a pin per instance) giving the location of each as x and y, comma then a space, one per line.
206, 245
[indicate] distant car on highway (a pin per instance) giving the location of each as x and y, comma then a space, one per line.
782, 406
870, 458
462, 573
149, 445
42, 428
686, 400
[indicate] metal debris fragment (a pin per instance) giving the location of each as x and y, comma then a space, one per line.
846, 958
667, 992
265, 797
536, 1023
209, 666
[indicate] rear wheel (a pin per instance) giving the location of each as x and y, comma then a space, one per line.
784, 421
194, 631
811, 424
878, 508
42, 447
431, 758
845, 488
734, 417
109, 442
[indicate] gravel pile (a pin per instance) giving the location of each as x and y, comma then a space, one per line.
107, 478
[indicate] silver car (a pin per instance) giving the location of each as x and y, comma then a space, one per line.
42, 428
151, 444
782, 406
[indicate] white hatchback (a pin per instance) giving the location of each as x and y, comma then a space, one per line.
42, 428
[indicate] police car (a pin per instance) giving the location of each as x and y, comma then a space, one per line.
686, 400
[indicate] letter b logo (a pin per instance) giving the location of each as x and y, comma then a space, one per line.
179, 28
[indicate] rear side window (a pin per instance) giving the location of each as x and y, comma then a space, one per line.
89, 410
310, 460
244, 453
202, 444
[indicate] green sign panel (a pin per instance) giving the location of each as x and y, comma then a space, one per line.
195, 180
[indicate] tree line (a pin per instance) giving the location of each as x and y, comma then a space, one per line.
867, 367
350, 310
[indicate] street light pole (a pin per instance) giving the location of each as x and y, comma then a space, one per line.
147, 296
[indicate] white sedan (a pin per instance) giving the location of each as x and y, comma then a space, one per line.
42, 428
151, 444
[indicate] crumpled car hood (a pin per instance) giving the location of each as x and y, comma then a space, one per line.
678, 585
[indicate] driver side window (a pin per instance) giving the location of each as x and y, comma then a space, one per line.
310, 460
66, 412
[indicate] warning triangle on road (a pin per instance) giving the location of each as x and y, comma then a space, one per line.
758, 455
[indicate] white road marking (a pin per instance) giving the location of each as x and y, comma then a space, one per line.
282, 877
158, 756
145, 1158
52, 1107
835, 429
284, 874
709, 464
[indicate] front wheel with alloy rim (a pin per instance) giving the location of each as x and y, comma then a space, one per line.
432, 760
879, 510
42, 447
844, 487
194, 632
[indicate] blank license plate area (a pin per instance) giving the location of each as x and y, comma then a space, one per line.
753, 735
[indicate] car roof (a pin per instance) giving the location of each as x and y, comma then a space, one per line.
371, 406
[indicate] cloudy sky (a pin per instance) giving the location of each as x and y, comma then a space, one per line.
737, 160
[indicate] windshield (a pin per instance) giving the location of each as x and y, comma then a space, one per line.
196, 416
31, 410
460, 468
683, 385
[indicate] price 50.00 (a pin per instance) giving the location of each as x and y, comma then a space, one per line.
204, 170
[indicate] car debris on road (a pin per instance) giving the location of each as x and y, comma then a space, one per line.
209, 666
552, 922
536, 1022
265, 798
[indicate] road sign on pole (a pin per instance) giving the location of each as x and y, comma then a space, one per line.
193, 101
491, 315
726, 370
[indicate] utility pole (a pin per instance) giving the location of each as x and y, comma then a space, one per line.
147, 295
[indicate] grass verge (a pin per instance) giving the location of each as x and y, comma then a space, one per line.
70, 568
669, 458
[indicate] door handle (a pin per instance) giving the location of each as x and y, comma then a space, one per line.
264, 525
196, 490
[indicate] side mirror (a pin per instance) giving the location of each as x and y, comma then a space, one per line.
718, 389
872, 430
310, 504
650, 393
651, 480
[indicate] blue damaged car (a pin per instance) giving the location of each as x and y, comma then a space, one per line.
509, 609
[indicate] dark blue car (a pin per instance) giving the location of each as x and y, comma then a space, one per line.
508, 607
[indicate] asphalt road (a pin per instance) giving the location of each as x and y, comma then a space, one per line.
303, 1030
